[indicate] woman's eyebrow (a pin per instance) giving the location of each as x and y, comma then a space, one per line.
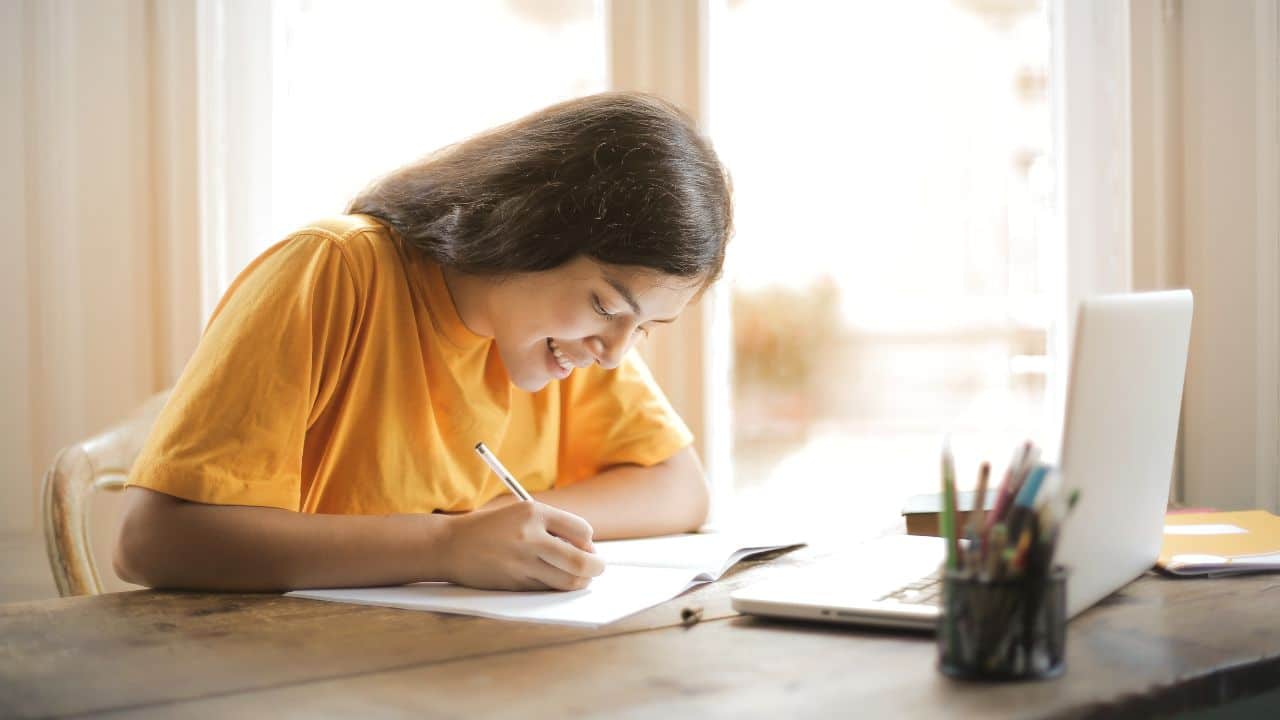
630, 299
625, 293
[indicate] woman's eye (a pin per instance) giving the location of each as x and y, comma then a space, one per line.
601, 311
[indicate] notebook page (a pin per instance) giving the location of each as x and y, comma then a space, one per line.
707, 555
621, 590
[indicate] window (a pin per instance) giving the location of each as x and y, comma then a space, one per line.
894, 203
359, 89
893, 209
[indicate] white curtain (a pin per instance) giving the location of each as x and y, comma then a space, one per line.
99, 271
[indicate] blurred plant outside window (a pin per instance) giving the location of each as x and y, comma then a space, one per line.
361, 88
893, 213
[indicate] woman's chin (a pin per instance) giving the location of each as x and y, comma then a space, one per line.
531, 382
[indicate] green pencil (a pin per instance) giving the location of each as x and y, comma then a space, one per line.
949, 506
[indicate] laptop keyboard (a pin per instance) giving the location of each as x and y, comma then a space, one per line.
923, 591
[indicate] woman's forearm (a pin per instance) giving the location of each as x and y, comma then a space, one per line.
632, 501
166, 542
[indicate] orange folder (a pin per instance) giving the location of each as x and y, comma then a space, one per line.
1220, 543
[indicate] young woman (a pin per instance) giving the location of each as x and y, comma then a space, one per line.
322, 434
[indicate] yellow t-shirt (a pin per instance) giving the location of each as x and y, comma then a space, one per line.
335, 376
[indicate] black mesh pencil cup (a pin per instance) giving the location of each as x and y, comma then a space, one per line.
1003, 629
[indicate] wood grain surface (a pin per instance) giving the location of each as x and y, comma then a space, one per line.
1157, 646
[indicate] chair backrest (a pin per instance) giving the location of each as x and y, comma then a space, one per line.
100, 463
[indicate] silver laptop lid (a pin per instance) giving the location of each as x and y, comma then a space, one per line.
1119, 432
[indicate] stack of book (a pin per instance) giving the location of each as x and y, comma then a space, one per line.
922, 511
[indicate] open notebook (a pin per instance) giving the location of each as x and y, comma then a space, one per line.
638, 574
1220, 543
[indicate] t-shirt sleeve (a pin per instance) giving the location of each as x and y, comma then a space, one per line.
616, 417
233, 429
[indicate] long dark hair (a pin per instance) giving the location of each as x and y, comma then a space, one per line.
622, 178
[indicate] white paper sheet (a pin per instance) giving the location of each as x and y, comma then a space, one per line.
619, 591
707, 553
1218, 566
1211, 529
638, 574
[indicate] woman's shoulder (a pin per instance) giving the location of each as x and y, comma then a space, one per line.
343, 227
364, 241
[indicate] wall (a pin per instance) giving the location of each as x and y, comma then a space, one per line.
1230, 193
1185, 161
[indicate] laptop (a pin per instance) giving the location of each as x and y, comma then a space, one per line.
1123, 399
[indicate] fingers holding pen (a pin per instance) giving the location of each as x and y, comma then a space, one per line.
563, 554
516, 548
569, 559
568, 527
563, 541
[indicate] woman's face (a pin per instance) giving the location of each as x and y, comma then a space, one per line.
547, 324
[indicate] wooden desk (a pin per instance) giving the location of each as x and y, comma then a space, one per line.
1157, 646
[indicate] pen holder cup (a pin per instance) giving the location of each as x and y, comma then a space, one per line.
1008, 629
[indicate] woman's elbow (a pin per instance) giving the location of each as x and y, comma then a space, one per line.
134, 557
125, 560
124, 566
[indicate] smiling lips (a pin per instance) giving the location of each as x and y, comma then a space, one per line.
566, 364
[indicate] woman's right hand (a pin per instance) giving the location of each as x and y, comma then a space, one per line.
522, 546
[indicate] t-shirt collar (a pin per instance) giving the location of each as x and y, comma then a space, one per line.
445, 312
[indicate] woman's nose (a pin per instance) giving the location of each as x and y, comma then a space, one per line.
608, 351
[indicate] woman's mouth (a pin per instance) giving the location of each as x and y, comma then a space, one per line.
559, 363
